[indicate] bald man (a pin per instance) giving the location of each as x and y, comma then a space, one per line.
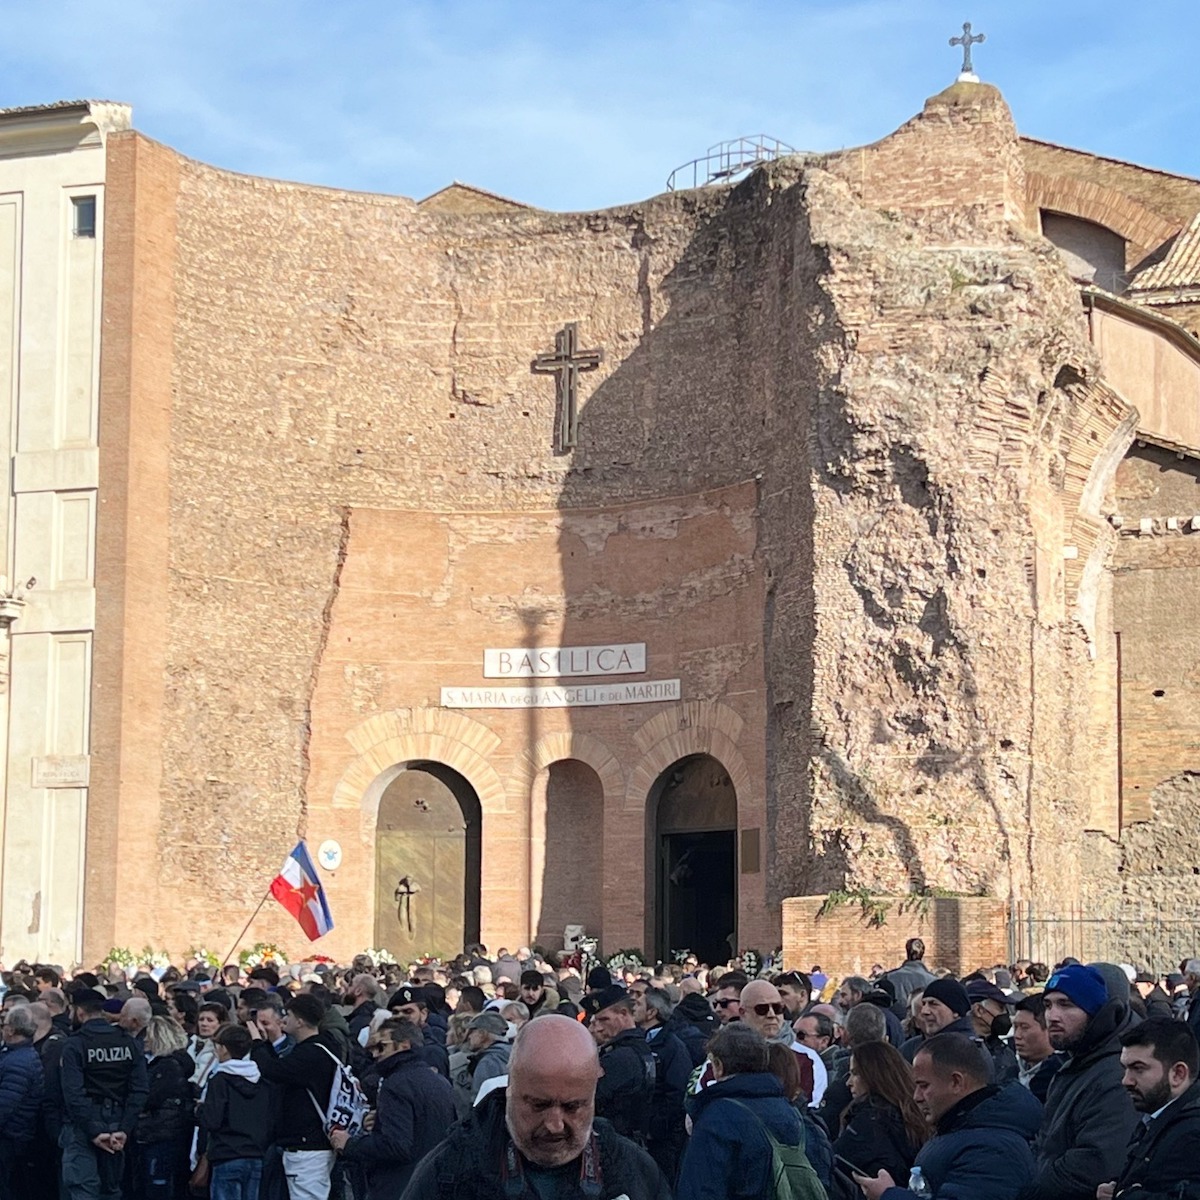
540, 1137
764, 1011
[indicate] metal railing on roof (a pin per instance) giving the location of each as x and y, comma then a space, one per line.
726, 161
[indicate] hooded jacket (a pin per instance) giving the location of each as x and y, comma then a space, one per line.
237, 1111
1089, 1116
981, 1148
693, 1022
416, 1107
470, 1163
1163, 1158
729, 1156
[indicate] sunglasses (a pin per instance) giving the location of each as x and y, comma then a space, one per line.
762, 1010
723, 1003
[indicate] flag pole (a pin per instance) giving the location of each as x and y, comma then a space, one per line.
225, 960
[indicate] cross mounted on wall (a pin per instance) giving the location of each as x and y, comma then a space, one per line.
566, 364
967, 40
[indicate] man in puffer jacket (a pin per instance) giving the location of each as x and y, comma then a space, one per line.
980, 1150
20, 1100
236, 1115
1089, 1115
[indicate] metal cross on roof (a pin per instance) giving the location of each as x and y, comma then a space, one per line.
566, 364
966, 42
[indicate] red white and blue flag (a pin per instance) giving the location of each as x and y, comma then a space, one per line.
299, 890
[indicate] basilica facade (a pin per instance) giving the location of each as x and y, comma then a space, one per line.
626, 571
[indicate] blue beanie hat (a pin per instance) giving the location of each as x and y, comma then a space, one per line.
1083, 986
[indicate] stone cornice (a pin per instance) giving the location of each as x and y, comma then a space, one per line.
58, 128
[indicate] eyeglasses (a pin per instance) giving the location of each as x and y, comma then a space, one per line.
723, 1003
762, 1010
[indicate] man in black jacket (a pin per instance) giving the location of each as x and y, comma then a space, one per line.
1089, 1116
626, 1089
1161, 1061
103, 1078
945, 1008
415, 1109
236, 1114
540, 1137
304, 1076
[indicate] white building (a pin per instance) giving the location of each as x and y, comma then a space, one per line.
52, 166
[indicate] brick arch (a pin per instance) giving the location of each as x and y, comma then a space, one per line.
553, 748
388, 740
1143, 228
695, 727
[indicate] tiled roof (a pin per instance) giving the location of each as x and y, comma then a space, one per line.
25, 109
1181, 267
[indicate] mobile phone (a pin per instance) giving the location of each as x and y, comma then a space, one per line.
850, 1166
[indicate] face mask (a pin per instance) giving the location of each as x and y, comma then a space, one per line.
1001, 1025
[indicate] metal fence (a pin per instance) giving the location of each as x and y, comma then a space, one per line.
1122, 932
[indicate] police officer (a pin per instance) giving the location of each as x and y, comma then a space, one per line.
625, 1091
103, 1077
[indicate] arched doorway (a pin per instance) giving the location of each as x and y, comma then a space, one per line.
427, 862
692, 815
567, 850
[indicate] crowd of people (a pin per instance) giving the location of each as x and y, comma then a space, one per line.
523, 1077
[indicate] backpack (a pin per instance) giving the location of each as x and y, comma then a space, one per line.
793, 1177
347, 1104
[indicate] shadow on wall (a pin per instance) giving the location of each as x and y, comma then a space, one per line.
720, 389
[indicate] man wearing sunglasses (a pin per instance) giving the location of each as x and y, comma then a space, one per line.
415, 1108
727, 1000
763, 1010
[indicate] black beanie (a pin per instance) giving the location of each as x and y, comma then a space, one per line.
951, 993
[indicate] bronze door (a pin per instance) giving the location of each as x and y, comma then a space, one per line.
426, 864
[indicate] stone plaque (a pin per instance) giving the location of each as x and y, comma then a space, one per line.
586, 695
61, 771
560, 662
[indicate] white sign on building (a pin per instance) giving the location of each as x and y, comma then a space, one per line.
561, 662
584, 695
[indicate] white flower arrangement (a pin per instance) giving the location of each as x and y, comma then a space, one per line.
119, 956
149, 957
624, 960
204, 955
380, 958
263, 954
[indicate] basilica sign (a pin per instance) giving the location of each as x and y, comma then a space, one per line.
583, 695
561, 662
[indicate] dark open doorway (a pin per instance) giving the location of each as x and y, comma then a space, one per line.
698, 901
428, 855
692, 831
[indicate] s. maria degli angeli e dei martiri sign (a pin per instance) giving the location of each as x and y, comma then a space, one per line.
558, 662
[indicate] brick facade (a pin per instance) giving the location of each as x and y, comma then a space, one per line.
842, 471
961, 933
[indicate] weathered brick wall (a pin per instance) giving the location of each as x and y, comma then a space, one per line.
885, 634
961, 934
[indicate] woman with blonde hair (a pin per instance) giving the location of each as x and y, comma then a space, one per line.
164, 1130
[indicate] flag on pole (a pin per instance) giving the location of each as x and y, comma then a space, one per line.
299, 890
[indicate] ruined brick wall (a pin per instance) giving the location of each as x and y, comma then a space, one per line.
950, 669
892, 644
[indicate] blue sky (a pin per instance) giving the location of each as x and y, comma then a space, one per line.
581, 105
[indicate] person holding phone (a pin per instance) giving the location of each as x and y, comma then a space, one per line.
882, 1129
